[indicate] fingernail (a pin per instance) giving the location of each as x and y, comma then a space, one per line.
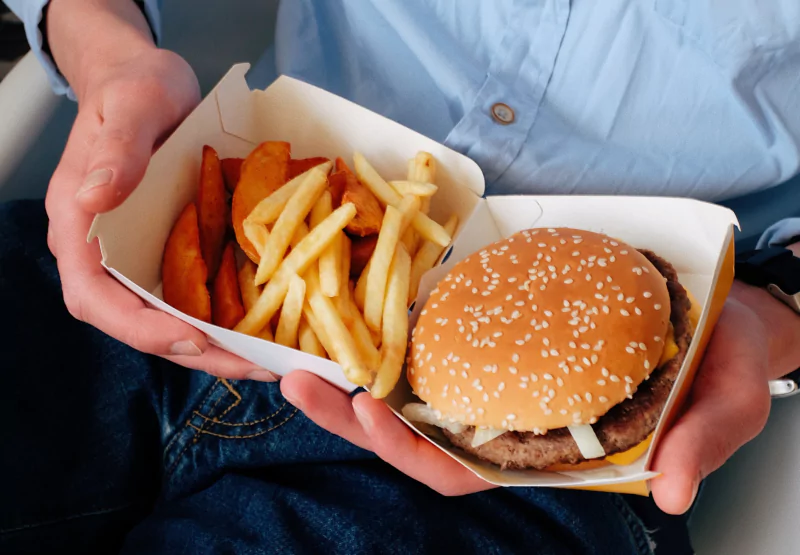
185, 348
262, 376
363, 416
97, 178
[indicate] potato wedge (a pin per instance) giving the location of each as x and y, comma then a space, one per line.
212, 211
361, 249
369, 213
231, 170
263, 172
183, 272
227, 308
302, 165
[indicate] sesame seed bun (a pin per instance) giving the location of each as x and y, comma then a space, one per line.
545, 329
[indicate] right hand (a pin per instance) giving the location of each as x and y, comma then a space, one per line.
126, 109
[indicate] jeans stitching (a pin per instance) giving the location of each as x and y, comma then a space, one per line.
179, 432
193, 440
635, 525
200, 430
237, 424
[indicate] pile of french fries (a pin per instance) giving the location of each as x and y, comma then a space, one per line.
308, 254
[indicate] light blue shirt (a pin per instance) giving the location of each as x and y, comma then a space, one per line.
694, 98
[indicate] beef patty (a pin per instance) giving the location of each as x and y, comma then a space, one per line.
621, 428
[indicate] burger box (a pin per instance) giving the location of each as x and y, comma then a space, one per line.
697, 238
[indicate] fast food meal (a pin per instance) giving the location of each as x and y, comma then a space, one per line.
552, 349
308, 254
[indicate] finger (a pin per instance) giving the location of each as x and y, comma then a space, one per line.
416, 457
122, 149
325, 405
223, 364
729, 407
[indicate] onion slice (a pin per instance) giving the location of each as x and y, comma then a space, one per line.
485, 435
587, 441
418, 412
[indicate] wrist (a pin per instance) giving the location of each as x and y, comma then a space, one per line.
89, 38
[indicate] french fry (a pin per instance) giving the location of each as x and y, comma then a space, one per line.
424, 170
268, 210
365, 343
247, 285
395, 326
319, 331
226, 301
379, 267
250, 293
212, 210
416, 188
302, 165
341, 341
286, 332
299, 259
426, 257
262, 173
257, 234
308, 340
426, 227
183, 271
295, 211
329, 267
231, 170
342, 298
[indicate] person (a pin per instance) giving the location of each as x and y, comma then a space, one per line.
114, 446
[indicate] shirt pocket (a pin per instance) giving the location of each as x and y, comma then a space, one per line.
735, 33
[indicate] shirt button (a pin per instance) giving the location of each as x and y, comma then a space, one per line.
502, 113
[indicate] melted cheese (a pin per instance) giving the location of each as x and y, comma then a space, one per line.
670, 347
632, 454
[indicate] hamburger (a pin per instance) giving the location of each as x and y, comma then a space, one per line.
551, 349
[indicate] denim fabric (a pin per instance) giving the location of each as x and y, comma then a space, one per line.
108, 450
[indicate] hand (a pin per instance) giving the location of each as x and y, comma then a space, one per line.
126, 108
754, 341
369, 423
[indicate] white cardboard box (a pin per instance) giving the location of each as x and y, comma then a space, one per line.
697, 238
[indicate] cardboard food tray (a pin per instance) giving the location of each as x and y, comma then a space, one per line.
697, 238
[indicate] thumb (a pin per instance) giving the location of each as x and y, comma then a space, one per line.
120, 154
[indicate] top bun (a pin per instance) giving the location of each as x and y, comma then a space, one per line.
545, 329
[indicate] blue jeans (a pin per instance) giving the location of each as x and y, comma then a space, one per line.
105, 449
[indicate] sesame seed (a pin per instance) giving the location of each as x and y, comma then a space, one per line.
630, 350
544, 353
586, 361
629, 300
605, 309
624, 312
501, 386
519, 342
512, 369
467, 400
458, 390
657, 307
637, 311
577, 368
601, 382
547, 376
548, 313
588, 397
560, 382
647, 294
647, 364
485, 397
496, 395
553, 352
546, 342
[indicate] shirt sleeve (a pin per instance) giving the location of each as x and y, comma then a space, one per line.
782, 233
31, 12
